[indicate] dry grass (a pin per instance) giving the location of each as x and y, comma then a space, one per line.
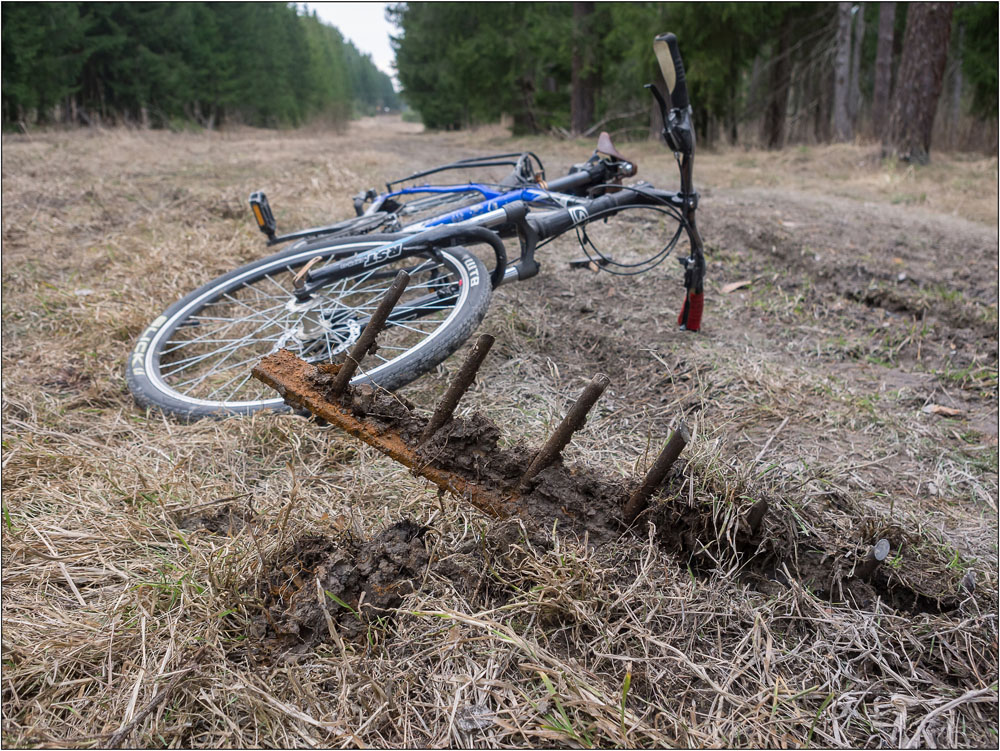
132, 546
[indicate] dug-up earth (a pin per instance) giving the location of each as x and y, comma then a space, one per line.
269, 581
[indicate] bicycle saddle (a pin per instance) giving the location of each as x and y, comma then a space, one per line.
605, 146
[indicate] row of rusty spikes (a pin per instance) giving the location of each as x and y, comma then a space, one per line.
286, 374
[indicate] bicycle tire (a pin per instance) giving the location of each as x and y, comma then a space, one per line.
453, 283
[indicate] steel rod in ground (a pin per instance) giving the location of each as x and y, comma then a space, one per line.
367, 338
878, 553
756, 515
639, 500
458, 386
571, 423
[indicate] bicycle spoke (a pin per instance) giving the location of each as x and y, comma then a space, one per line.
271, 279
244, 323
237, 344
196, 359
217, 389
409, 328
201, 338
264, 325
216, 371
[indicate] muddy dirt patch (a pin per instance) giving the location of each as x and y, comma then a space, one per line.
325, 585
727, 531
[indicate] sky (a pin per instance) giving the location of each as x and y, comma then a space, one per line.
365, 25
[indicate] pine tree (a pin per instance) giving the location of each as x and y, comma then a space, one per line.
883, 67
918, 86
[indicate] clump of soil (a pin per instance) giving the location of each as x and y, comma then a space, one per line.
771, 557
380, 408
581, 499
223, 520
341, 582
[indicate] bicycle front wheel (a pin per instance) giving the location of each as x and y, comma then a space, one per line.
195, 360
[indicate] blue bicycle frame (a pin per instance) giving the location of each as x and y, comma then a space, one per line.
492, 200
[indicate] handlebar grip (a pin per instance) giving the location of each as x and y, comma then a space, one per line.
552, 223
678, 93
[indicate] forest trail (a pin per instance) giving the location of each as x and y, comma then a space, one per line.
846, 372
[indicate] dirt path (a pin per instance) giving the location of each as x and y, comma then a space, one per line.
239, 554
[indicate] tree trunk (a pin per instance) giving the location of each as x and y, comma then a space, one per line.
854, 99
825, 84
956, 78
842, 74
883, 68
581, 73
780, 80
753, 90
732, 126
919, 81
524, 118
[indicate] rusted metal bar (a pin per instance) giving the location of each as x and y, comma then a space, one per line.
367, 338
291, 378
639, 500
756, 515
571, 423
458, 387
878, 553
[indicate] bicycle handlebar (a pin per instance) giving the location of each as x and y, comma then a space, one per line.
552, 223
669, 56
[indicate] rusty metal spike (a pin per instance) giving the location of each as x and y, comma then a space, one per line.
292, 378
367, 338
639, 500
571, 423
878, 553
458, 387
756, 515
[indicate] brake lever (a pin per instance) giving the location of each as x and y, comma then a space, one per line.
668, 122
659, 100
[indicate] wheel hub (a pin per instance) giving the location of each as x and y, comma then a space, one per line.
307, 333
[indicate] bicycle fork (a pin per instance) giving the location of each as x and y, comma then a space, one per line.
689, 319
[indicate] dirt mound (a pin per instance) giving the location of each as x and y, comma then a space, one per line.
320, 585
586, 501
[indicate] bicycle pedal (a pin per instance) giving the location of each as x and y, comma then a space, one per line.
262, 213
588, 263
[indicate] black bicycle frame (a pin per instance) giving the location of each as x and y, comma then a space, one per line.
535, 227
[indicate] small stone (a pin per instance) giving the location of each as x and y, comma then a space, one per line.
969, 581
474, 717
881, 549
